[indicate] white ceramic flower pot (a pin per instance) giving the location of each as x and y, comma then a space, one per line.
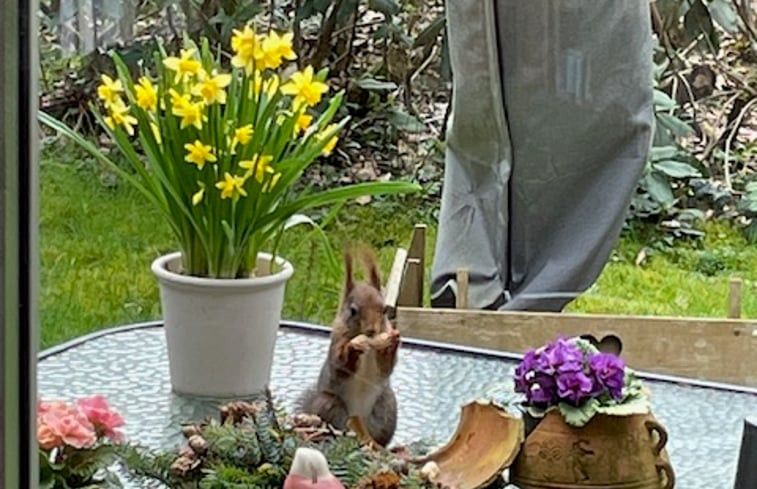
220, 333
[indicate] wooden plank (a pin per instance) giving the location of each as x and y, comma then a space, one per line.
734, 299
461, 298
392, 288
411, 295
417, 250
719, 350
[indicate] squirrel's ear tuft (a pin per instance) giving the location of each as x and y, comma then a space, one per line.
349, 282
371, 267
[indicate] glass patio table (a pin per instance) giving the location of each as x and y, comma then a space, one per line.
129, 365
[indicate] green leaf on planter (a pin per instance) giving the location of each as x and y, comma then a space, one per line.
639, 405
537, 412
579, 416
678, 127
662, 100
676, 169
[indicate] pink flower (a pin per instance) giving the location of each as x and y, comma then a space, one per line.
59, 423
47, 437
105, 419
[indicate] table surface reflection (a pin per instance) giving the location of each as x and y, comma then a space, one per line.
130, 367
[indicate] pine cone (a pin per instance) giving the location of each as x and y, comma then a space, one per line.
198, 444
189, 430
386, 479
303, 420
235, 412
183, 465
187, 452
310, 428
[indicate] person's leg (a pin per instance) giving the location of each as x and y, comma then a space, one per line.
473, 218
578, 94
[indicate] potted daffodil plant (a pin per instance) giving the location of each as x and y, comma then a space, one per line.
219, 141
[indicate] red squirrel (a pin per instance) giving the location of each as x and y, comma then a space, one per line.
353, 389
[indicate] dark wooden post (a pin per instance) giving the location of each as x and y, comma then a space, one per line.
18, 238
746, 474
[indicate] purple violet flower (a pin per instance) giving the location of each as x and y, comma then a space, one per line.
525, 371
574, 386
543, 390
608, 371
562, 356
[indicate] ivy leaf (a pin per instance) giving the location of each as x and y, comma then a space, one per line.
659, 188
430, 33
663, 101
578, 416
675, 125
375, 85
386, 7
750, 232
405, 122
658, 153
697, 20
723, 13
676, 169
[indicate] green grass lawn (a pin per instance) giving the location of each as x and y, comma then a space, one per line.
97, 242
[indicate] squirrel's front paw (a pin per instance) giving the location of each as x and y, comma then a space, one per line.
360, 343
387, 340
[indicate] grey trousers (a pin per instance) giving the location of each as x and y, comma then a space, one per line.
550, 126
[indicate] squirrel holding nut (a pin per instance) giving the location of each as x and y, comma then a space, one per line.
353, 389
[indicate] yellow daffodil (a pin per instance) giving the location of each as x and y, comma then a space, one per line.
275, 48
156, 132
332, 142
191, 114
211, 87
246, 46
109, 90
304, 87
259, 164
231, 186
197, 197
272, 182
303, 122
146, 95
179, 100
269, 84
242, 135
119, 116
199, 153
185, 67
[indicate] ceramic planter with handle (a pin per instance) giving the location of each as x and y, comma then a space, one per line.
609, 452
220, 333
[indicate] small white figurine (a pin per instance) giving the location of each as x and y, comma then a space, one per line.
310, 470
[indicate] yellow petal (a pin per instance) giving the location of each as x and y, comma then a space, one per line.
197, 197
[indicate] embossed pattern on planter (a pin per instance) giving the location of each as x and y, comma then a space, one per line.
131, 369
